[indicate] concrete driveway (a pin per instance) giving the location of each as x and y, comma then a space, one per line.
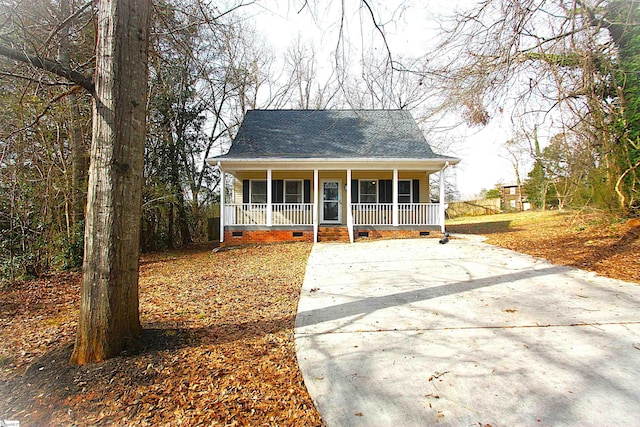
413, 333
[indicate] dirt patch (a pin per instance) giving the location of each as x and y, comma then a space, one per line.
217, 348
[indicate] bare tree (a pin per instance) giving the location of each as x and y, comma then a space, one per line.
306, 87
379, 85
543, 58
514, 152
109, 316
79, 157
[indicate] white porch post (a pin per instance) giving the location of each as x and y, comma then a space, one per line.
349, 211
315, 205
442, 197
395, 215
269, 200
222, 180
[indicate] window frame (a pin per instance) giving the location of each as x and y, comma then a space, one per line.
377, 190
252, 193
410, 194
376, 186
301, 194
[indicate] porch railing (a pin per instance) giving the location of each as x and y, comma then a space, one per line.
419, 213
291, 214
372, 213
256, 214
245, 214
408, 214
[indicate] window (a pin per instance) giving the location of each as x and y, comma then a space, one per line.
368, 191
404, 191
258, 191
293, 192
380, 191
512, 190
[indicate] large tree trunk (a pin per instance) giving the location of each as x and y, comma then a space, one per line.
109, 316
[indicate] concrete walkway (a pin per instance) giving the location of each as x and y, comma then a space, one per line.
413, 333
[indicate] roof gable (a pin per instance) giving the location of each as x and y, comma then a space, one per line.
315, 134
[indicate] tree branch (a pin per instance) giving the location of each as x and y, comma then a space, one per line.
38, 81
66, 21
46, 110
50, 66
379, 29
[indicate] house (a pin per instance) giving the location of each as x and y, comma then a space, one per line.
317, 175
514, 198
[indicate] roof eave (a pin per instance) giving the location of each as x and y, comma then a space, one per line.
331, 163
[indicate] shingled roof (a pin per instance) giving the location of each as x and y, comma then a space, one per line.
315, 134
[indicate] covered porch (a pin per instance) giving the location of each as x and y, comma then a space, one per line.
290, 199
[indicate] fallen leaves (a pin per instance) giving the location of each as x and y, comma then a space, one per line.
217, 348
591, 241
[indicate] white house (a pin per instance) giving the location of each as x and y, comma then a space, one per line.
329, 174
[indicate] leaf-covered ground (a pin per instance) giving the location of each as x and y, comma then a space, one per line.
588, 240
217, 347
218, 343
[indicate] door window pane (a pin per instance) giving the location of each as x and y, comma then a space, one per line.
330, 201
330, 211
330, 191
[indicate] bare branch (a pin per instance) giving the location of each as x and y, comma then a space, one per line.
73, 90
31, 79
50, 66
67, 21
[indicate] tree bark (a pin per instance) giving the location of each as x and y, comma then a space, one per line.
109, 316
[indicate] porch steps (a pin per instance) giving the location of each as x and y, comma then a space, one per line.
333, 234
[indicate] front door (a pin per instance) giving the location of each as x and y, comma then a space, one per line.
331, 209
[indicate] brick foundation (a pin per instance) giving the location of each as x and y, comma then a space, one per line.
374, 233
244, 237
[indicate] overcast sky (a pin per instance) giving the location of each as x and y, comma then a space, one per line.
410, 28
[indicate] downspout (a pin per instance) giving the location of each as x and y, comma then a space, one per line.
442, 204
221, 203
394, 198
349, 211
315, 205
269, 198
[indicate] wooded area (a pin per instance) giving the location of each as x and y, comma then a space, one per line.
568, 66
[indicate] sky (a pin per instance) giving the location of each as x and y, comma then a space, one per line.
410, 27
